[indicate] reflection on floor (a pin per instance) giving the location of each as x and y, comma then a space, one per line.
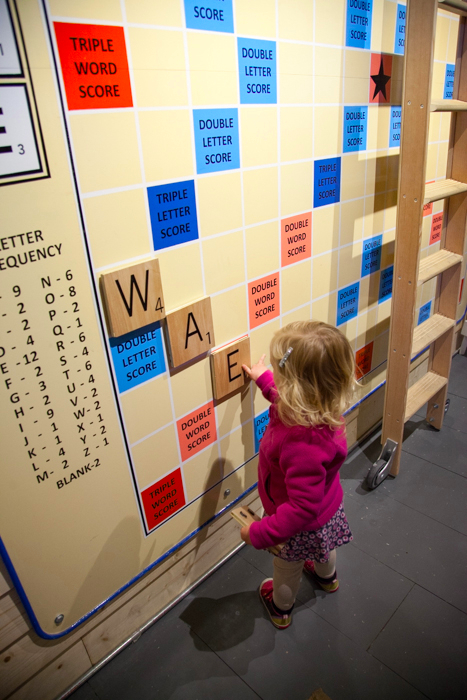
397, 628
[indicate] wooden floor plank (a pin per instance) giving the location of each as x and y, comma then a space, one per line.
57, 676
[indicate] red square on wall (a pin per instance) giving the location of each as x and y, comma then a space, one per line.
163, 498
363, 360
264, 299
94, 66
380, 78
295, 238
436, 228
197, 430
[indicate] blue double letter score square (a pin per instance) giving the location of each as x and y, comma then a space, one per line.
216, 140
355, 128
257, 71
358, 24
347, 303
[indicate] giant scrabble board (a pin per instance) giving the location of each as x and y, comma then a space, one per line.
180, 179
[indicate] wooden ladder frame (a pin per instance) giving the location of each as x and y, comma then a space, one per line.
405, 340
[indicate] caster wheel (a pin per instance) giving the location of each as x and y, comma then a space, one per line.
381, 468
373, 478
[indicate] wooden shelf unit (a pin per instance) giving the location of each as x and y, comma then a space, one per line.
405, 340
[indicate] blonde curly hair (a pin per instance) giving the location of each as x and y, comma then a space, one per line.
316, 383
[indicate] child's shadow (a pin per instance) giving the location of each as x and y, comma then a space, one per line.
224, 623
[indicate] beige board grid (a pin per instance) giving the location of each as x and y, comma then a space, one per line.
239, 214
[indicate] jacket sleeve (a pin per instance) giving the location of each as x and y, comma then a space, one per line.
303, 463
265, 382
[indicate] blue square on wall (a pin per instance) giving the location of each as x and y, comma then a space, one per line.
260, 425
449, 81
355, 128
257, 71
399, 40
395, 127
347, 303
385, 284
327, 182
210, 15
172, 209
216, 140
358, 24
371, 255
424, 312
137, 356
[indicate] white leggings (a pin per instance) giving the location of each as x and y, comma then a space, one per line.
287, 575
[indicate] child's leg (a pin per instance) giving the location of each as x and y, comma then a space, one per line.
328, 569
324, 574
287, 576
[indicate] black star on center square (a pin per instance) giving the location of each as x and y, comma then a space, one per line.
380, 81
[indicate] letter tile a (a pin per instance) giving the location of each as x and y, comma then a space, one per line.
190, 332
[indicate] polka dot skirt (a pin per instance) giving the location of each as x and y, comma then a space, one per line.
318, 544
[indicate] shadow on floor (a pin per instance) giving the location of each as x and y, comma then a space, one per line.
222, 623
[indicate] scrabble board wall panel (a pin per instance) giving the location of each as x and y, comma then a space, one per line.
180, 180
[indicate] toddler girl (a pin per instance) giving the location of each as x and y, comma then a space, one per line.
300, 455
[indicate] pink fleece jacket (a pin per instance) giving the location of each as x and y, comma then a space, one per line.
298, 475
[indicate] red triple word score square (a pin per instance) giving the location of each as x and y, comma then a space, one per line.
363, 360
263, 300
197, 430
164, 498
295, 238
94, 66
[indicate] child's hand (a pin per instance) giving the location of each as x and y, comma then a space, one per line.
256, 370
245, 534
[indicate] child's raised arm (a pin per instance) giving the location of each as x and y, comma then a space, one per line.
255, 370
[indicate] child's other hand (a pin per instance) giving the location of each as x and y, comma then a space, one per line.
256, 370
245, 534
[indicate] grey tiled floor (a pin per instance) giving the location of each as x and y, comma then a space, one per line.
397, 628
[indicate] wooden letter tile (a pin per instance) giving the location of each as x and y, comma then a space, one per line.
132, 297
190, 331
226, 367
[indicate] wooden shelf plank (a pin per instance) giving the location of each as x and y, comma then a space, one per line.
443, 188
427, 332
435, 264
448, 106
422, 391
